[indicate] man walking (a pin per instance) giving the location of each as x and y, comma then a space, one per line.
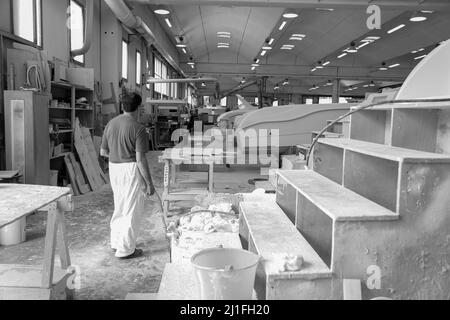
125, 142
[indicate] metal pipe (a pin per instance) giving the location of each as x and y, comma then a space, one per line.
188, 80
239, 87
87, 30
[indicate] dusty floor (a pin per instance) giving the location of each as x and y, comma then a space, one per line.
102, 275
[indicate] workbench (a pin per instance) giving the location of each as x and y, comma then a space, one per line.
21, 282
173, 158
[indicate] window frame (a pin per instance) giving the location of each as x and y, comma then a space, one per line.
83, 9
35, 43
138, 74
124, 41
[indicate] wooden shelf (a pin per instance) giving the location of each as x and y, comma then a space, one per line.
62, 155
386, 152
62, 131
338, 203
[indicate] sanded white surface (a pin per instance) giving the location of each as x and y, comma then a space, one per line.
178, 283
192, 242
19, 200
337, 202
273, 234
26, 276
386, 152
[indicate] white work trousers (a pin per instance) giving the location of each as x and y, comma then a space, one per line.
128, 187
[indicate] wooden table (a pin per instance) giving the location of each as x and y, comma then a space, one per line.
172, 159
21, 282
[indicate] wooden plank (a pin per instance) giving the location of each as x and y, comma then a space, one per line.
81, 181
72, 176
26, 276
19, 200
92, 152
50, 246
93, 177
352, 289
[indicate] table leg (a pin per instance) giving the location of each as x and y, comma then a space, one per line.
50, 244
166, 186
211, 177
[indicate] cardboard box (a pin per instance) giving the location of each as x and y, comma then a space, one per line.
83, 77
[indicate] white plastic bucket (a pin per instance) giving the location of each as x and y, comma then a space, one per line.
13, 233
225, 274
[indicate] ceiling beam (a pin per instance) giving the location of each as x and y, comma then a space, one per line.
385, 4
289, 71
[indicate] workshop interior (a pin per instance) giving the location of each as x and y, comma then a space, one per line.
224, 150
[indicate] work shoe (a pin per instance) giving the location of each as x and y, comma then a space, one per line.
136, 254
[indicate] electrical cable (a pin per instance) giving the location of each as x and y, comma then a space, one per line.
405, 101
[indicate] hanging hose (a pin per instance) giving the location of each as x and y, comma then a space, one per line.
406, 101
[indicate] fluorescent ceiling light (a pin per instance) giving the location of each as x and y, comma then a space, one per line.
184, 50
283, 24
313, 69
421, 57
255, 65
286, 48
324, 9
326, 63
271, 41
290, 15
426, 11
223, 43
342, 55
295, 39
162, 11
394, 65
203, 84
253, 68
288, 45
416, 51
299, 35
181, 45
192, 66
396, 28
223, 46
418, 17
168, 23
227, 36
371, 38
363, 45
263, 53
365, 86
257, 60
191, 63
267, 48
224, 33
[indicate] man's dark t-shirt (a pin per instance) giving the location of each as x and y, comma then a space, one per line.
123, 137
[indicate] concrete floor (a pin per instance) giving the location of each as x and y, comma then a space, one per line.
103, 277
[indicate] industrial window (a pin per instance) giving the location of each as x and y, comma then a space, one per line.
147, 73
124, 60
27, 20
223, 102
158, 74
325, 100
76, 29
138, 68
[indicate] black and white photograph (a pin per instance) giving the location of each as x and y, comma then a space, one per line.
224, 159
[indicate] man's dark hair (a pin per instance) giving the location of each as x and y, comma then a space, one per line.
131, 102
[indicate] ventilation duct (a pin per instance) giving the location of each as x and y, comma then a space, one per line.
130, 20
88, 30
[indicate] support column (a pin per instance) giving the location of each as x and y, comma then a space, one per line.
336, 90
